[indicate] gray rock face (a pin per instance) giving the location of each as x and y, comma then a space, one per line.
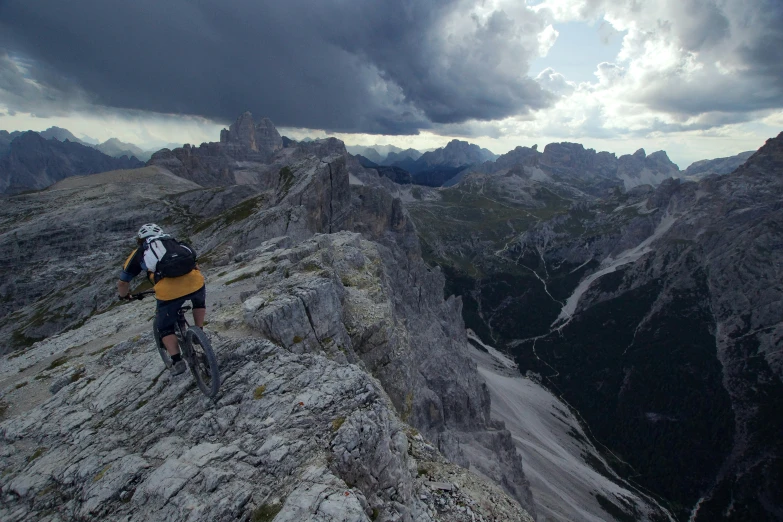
33, 162
242, 133
267, 136
248, 136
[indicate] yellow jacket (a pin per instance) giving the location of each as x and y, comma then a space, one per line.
167, 288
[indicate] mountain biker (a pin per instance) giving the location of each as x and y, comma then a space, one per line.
170, 292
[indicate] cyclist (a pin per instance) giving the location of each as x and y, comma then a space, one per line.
170, 292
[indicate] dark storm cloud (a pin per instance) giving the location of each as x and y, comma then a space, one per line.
351, 65
739, 46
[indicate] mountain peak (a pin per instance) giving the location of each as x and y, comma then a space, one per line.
248, 135
768, 158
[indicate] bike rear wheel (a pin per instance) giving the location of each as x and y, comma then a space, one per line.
204, 365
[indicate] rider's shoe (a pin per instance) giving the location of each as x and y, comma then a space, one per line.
179, 367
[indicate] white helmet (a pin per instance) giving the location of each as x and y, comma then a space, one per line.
149, 230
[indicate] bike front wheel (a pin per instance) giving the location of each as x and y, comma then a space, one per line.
204, 365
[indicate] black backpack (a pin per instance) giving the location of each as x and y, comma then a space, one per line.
177, 260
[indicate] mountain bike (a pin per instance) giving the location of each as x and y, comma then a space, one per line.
195, 349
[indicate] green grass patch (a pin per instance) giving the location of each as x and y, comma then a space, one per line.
258, 393
19, 338
297, 339
37, 453
101, 473
265, 512
286, 179
58, 362
235, 214
336, 423
141, 404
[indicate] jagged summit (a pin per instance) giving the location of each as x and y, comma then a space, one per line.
246, 134
248, 153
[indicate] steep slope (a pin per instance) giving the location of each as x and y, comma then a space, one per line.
655, 315
33, 162
346, 303
5, 141
569, 477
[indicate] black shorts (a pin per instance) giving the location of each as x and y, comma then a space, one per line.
166, 315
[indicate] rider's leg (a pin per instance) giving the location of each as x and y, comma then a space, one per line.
166, 321
198, 316
199, 298
171, 344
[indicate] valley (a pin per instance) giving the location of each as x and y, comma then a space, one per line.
642, 310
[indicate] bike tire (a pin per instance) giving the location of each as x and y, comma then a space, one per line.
161, 349
205, 367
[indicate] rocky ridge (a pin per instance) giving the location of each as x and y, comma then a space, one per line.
360, 299
700, 169
594, 173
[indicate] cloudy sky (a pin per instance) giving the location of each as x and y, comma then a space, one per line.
698, 78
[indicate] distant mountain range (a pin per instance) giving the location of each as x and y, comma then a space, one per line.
112, 147
721, 166
29, 161
590, 171
432, 168
566, 162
